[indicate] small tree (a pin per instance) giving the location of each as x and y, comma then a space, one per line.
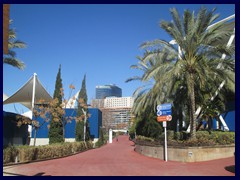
82, 128
56, 127
40, 111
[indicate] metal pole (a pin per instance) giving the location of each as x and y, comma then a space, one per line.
110, 136
33, 101
33, 92
165, 132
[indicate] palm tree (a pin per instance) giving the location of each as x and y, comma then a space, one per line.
194, 63
13, 43
147, 94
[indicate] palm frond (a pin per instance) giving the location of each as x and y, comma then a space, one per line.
14, 62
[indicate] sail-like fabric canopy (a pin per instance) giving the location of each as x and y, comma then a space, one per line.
25, 93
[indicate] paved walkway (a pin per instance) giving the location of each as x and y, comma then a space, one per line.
119, 159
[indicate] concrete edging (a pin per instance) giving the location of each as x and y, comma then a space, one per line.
187, 154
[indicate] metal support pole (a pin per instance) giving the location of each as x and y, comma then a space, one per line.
33, 101
110, 136
165, 146
33, 91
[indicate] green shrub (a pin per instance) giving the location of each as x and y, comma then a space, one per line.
198, 142
145, 138
30, 153
27, 153
45, 152
185, 135
77, 147
177, 135
203, 138
9, 154
170, 134
223, 138
202, 135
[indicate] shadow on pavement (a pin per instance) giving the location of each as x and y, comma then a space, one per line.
41, 174
230, 168
14, 174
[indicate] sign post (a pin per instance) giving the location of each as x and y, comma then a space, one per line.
110, 136
163, 115
165, 144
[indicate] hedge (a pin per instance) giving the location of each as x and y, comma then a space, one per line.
203, 138
31, 153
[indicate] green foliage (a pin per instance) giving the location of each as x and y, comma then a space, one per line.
83, 91
81, 108
79, 130
197, 142
27, 153
147, 124
186, 77
101, 141
177, 135
55, 133
58, 92
13, 43
9, 154
132, 134
223, 138
170, 134
30, 153
56, 127
145, 138
180, 139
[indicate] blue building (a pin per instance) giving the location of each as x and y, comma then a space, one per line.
12, 134
228, 116
95, 122
108, 91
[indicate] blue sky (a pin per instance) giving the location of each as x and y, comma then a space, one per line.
101, 41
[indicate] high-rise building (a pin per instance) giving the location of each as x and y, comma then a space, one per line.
118, 102
108, 91
116, 111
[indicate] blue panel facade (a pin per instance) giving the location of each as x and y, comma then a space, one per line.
95, 121
70, 127
12, 134
228, 116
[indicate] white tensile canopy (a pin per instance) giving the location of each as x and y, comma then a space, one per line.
29, 94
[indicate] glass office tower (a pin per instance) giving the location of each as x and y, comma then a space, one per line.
108, 91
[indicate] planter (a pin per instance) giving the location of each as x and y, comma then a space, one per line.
187, 154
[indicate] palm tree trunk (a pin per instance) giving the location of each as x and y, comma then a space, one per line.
192, 107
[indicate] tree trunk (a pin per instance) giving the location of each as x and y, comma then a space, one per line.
192, 107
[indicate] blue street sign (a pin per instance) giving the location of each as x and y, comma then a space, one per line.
164, 112
164, 106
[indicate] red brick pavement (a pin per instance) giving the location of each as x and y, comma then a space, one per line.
119, 159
